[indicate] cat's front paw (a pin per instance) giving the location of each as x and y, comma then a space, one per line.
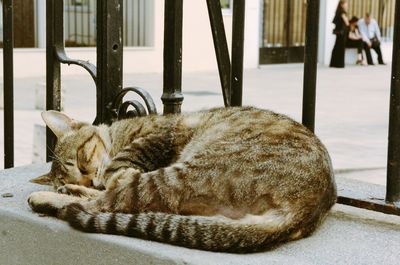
49, 203
77, 190
123, 177
42, 202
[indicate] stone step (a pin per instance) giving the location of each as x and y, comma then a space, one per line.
348, 236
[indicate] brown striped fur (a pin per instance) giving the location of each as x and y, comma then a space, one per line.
227, 179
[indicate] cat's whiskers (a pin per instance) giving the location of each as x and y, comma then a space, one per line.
54, 155
52, 152
99, 175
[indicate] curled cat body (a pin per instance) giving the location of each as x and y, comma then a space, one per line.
237, 179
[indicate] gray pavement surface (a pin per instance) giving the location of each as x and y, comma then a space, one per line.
351, 119
348, 236
351, 116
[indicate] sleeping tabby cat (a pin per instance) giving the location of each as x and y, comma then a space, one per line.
227, 179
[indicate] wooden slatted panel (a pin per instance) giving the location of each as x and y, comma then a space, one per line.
80, 22
298, 23
279, 19
284, 23
24, 24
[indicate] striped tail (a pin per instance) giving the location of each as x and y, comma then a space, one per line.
207, 233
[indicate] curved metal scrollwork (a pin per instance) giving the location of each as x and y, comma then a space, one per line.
120, 110
63, 58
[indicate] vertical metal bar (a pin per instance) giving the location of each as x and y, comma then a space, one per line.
310, 64
393, 165
8, 74
221, 47
109, 55
238, 16
172, 81
54, 38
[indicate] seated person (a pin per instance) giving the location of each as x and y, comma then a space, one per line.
355, 40
371, 35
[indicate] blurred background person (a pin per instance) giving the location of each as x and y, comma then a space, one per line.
355, 40
371, 36
341, 30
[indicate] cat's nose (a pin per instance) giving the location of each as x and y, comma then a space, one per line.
97, 183
85, 182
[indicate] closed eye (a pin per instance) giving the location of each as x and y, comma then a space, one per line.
59, 182
70, 164
83, 171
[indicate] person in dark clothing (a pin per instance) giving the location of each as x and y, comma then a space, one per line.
341, 30
355, 40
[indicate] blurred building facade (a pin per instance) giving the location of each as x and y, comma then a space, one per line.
274, 31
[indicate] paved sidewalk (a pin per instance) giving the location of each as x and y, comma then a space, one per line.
351, 117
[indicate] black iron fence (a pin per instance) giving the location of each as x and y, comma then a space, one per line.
107, 75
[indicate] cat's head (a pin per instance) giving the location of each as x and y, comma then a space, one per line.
80, 152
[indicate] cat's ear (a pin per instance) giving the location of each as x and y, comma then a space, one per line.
43, 180
60, 123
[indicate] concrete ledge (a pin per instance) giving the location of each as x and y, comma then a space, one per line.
350, 56
348, 236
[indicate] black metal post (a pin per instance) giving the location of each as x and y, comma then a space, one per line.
8, 73
393, 165
172, 93
109, 56
238, 16
310, 64
54, 38
221, 47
